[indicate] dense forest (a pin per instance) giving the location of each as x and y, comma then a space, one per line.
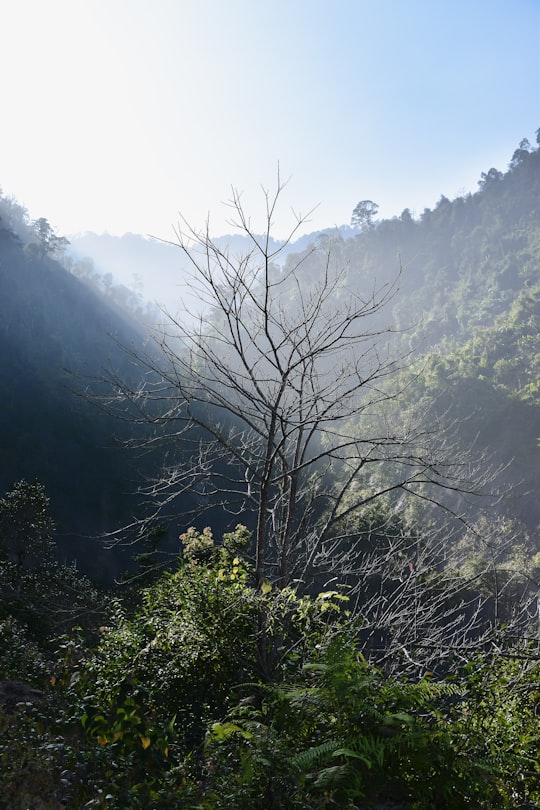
61, 335
284, 554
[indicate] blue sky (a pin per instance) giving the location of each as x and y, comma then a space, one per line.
119, 114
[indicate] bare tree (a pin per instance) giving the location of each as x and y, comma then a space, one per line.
280, 405
279, 399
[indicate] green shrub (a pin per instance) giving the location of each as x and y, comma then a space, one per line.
160, 676
344, 735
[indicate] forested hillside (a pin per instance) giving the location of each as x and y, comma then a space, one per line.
57, 338
467, 307
347, 447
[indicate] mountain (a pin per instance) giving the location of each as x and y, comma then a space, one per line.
57, 339
157, 270
467, 314
465, 310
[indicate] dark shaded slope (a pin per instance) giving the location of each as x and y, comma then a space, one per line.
57, 336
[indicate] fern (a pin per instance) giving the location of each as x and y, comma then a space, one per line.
308, 759
303, 696
331, 777
369, 749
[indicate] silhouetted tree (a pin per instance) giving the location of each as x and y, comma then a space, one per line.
362, 216
521, 154
48, 242
26, 526
489, 178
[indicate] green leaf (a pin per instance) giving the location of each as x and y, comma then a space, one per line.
348, 752
222, 731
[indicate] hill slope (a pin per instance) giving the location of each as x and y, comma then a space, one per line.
56, 337
468, 307
468, 304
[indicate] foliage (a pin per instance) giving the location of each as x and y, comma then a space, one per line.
26, 526
21, 658
48, 243
46, 601
177, 657
343, 735
496, 724
158, 678
32, 760
170, 711
362, 216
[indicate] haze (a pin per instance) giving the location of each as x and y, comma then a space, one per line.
116, 116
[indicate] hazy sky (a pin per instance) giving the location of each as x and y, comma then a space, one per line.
118, 114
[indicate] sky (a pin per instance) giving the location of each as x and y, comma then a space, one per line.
120, 115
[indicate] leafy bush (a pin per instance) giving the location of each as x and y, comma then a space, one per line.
172, 709
20, 657
343, 735
26, 526
159, 676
